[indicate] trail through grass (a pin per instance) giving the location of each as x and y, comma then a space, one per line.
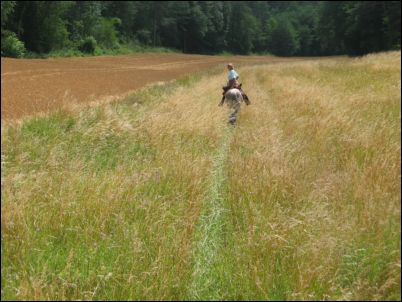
210, 233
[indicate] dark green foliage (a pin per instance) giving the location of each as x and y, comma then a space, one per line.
7, 7
242, 29
144, 36
11, 46
365, 31
41, 25
360, 27
105, 32
88, 45
284, 28
392, 24
282, 40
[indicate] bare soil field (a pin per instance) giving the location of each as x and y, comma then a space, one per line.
30, 86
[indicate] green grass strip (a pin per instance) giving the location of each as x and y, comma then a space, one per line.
210, 231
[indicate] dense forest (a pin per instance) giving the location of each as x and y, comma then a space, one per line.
285, 28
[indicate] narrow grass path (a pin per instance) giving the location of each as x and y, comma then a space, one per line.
210, 229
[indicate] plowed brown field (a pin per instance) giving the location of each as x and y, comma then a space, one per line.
41, 85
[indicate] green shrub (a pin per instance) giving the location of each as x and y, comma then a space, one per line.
88, 45
106, 33
12, 47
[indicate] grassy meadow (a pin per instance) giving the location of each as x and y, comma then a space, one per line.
155, 197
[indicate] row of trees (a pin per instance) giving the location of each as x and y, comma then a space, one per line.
279, 27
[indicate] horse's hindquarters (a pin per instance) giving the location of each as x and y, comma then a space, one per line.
234, 95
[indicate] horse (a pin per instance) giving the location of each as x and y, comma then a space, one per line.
233, 97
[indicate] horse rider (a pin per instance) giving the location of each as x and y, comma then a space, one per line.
233, 97
233, 78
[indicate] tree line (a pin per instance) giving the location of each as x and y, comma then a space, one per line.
284, 28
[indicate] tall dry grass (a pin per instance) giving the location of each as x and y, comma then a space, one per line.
314, 187
105, 203
101, 203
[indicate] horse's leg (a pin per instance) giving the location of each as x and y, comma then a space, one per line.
223, 99
245, 97
234, 110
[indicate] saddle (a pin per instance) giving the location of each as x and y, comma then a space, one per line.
226, 88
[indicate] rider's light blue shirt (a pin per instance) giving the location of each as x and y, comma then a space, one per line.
232, 74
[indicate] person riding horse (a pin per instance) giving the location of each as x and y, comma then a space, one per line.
233, 94
233, 78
